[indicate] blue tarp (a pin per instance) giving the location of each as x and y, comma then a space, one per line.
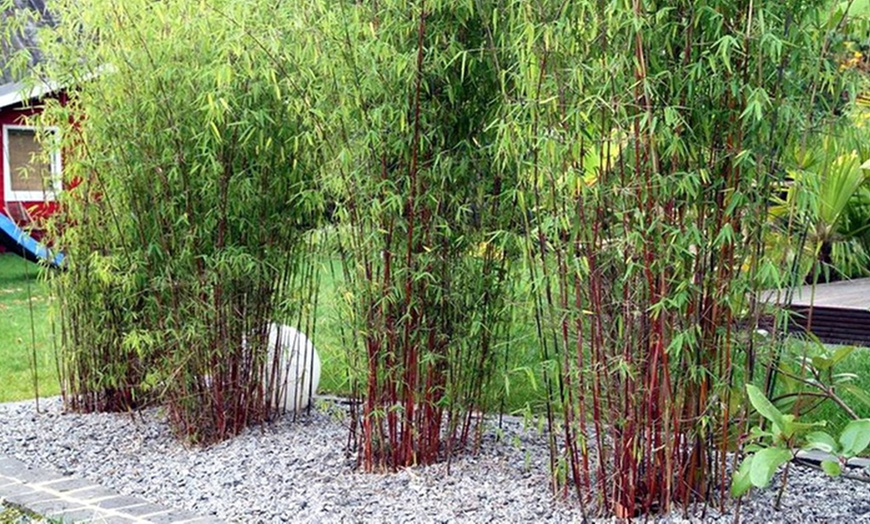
15, 240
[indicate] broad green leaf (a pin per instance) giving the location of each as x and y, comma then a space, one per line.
790, 427
765, 464
855, 437
740, 483
832, 467
764, 407
839, 184
821, 441
856, 8
756, 433
752, 448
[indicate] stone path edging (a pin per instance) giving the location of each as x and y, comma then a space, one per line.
816, 457
71, 499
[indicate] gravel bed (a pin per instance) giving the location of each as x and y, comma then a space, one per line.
298, 471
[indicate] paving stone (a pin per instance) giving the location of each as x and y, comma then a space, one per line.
15, 489
26, 499
6, 482
121, 501
9, 466
15, 469
73, 500
53, 506
79, 515
92, 494
111, 520
67, 484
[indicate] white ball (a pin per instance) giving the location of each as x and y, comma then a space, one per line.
299, 372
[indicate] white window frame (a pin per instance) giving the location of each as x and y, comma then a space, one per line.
46, 195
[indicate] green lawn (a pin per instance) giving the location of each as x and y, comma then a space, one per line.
21, 289
9, 515
20, 286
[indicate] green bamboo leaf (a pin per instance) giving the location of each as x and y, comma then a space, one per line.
822, 363
858, 392
841, 354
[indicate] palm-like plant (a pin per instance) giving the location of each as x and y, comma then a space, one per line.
828, 199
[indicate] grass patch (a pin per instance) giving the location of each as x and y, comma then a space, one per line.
21, 289
13, 515
20, 284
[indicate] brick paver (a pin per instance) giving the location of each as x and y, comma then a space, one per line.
69, 499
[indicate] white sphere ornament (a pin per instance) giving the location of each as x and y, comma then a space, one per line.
299, 368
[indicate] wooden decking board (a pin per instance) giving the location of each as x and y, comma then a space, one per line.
841, 310
833, 325
847, 294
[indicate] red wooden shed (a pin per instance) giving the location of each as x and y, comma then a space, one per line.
31, 168
30, 163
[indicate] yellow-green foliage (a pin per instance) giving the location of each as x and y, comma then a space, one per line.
189, 150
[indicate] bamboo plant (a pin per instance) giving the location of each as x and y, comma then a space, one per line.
425, 214
650, 139
190, 195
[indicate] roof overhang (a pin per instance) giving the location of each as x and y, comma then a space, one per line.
15, 93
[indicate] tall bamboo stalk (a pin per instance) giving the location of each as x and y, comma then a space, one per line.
647, 179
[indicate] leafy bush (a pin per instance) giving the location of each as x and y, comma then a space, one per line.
427, 214
650, 140
191, 176
773, 446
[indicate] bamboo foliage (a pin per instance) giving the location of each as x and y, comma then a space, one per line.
426, 212
191, 192
650, 139
618, 156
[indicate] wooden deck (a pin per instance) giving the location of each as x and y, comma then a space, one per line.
848, 294
840, 312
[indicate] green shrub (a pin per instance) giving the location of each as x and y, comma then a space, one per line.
190, 168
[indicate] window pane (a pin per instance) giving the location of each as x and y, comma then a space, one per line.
27, 167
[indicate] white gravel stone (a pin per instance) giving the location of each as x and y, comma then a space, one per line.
299, 471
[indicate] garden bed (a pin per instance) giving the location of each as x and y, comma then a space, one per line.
299, 471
